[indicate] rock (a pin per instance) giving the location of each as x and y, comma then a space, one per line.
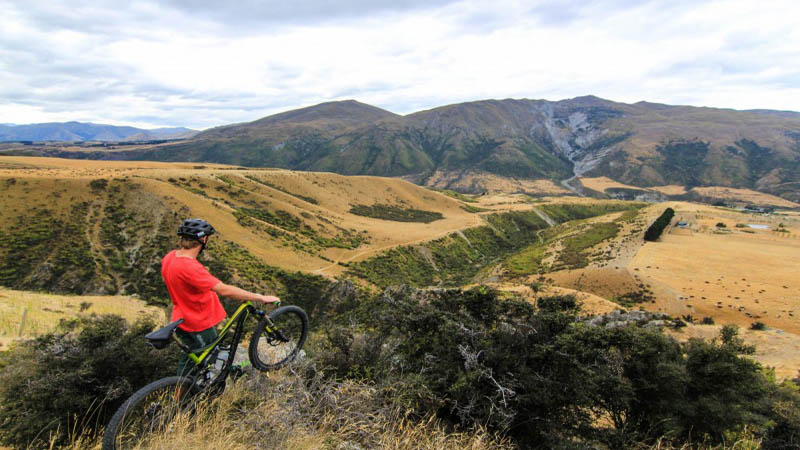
596, 321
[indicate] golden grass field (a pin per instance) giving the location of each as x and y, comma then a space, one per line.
733, 275
670, 189
600, 184
42, 312
744, 195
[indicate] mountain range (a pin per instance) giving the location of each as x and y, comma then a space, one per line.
78, 131
642, 144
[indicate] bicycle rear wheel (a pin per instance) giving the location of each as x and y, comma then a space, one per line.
278, 340
149, 411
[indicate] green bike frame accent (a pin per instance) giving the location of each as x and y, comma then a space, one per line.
245, 309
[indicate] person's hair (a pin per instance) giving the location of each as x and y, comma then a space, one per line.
188, 243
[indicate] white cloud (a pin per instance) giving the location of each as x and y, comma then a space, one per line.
190, 64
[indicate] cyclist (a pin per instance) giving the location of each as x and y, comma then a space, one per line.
194, 291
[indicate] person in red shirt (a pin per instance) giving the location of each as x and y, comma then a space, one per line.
195, 292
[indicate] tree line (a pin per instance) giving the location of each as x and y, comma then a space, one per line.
656, 228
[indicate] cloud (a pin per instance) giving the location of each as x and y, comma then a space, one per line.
202, 64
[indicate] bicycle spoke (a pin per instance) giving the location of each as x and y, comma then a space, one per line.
280, 339
153, 415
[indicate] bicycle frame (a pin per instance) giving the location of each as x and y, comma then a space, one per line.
201, 357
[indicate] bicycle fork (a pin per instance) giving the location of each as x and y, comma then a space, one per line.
271, 328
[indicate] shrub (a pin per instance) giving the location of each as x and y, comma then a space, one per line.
678, 324
75, 379
758, 326
721, 225
395, 213
99, 184
559, 303
707, 321
542, 377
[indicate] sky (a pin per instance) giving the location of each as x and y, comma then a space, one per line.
204, 63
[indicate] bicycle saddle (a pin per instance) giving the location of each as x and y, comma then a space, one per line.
160, 338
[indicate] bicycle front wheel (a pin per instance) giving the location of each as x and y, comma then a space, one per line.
278, 338
148, 412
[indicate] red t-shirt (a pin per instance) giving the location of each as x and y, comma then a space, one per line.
189, 285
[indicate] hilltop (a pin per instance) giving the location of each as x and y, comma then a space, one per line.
466, 146
112, 221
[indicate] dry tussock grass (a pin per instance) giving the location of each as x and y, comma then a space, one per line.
300, 410
42, 312
744, 443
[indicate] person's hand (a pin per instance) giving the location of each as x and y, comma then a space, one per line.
267, 299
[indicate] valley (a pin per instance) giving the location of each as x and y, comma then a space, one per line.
99, 228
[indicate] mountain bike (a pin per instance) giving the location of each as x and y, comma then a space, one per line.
277, 339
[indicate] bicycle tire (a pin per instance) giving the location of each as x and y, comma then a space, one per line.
125, 415
270, 350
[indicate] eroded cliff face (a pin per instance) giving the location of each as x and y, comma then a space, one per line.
579, 133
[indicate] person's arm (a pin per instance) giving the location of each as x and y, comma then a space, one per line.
236, 293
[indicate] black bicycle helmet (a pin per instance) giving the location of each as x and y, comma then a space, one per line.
195, 229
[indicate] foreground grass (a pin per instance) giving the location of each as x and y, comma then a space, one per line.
299, 410
290, 411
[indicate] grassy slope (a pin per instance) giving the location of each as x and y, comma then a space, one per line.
111, 222
456, 258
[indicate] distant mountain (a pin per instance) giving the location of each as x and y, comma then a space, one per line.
642, 144
77, 131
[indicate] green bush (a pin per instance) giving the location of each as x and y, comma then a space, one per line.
98, 184
543, 377
395, 213
74, 380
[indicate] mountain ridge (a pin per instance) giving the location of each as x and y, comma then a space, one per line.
641, 144
74, 131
